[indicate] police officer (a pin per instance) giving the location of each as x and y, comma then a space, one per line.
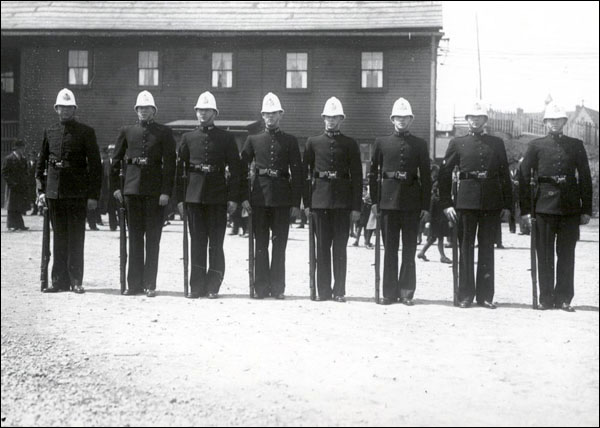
149, 150
334, 162
404, 200
70, 157
15, 170
563, 202
276, 187
205, 153
484, 191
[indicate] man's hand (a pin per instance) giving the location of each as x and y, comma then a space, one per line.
163, 200
295, 212
354, 216
374, 208
118, 196
247, 207
527, 219
180, 208
584, 219
451, 214
307, 212
423, 214
92, 204
231, 207
42, 200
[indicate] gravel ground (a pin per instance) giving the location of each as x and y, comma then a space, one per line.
105, 359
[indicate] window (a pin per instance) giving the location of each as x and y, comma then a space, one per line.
296, 75
148, 68
222, 70
372, 70
8, 82
78, 68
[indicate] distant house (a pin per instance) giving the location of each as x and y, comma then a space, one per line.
584, 114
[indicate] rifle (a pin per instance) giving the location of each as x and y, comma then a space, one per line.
185, 231
250, 237
45, 246
454, 227
311, 241
378, 232
122, 230
534, 293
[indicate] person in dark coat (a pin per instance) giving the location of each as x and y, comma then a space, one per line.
334, 162
484, 193
275, 195
69, 176
149, 150
404, 200
207, 153
15, 170
562, 203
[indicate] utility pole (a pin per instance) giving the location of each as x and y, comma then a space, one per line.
478, 55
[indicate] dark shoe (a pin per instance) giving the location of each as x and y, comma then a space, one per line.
464, 304
544, 307
52, 289
406, 301
446, 260
422, 257
130, 292
566, 307
193, 295
24, 228
500, 247
213, 296
150, 293
78, 289
258, 296
322, 298
339, 299
486, 304
280, 296
93, 228
385, 301
355, 244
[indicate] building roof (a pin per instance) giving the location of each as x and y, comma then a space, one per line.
579, 110
228, 16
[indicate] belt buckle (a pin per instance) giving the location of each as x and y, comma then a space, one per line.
142, 161
400, 175
482, 174
560, 179
272, 172
205, 168
331, 174
59, 164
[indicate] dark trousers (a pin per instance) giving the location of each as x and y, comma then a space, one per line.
14, 220
145, 222
68, 223
483, 224
270, 279
395, 286
113, 214
207, 228
332, 228
564, 231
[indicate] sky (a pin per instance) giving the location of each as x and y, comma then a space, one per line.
529, 50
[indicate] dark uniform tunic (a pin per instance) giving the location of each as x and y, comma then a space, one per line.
15, 170
334, 160
206, 152
149, 152
74, 174
564, 192
276, 186
484, 189
405, 191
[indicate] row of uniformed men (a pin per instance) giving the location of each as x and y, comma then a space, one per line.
70, 154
